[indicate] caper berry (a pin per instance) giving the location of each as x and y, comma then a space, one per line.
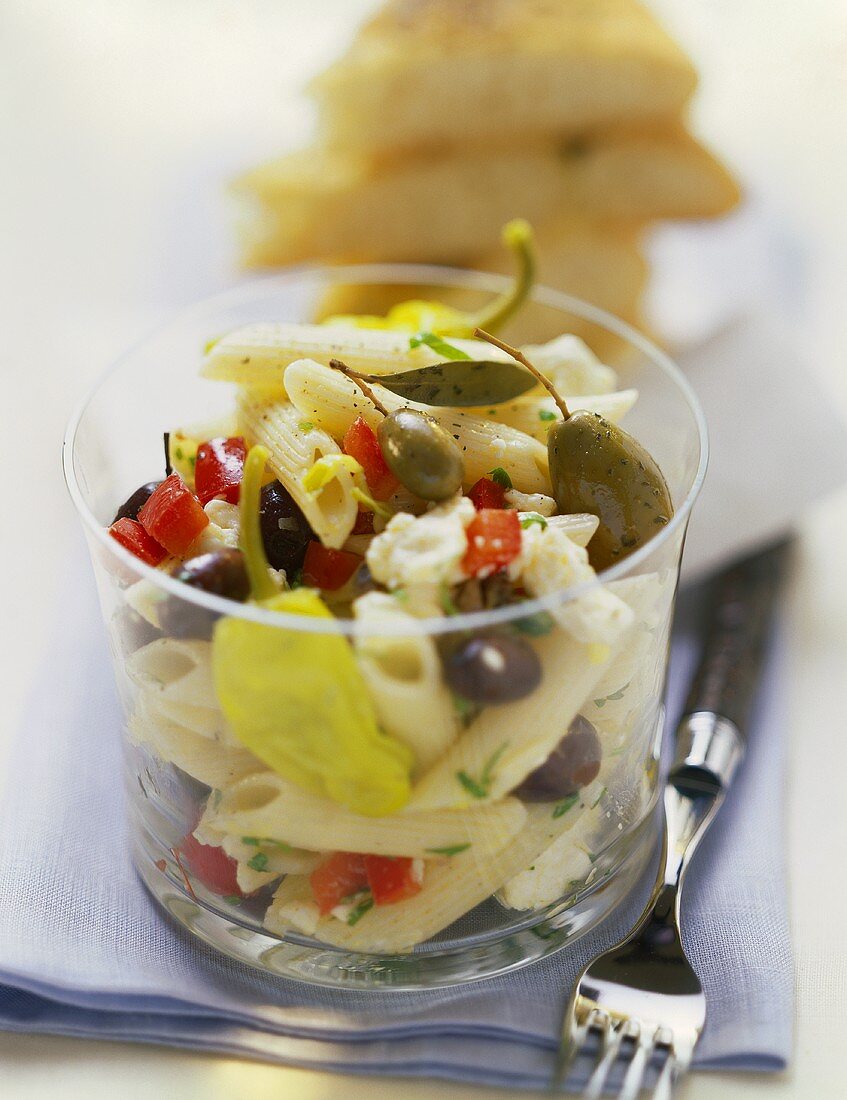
597, 467
134, 503
221, 573
286, 533
421, 454
493, 669
574, 763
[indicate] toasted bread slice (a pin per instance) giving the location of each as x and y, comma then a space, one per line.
430, 72
321, 205
601, 265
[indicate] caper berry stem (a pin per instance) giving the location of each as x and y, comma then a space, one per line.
355, 377
518, 355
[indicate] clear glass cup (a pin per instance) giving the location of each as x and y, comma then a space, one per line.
509, 877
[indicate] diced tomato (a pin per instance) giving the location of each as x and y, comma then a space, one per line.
494, 540
392, 880
328, 569
487, 494
364, 523
173, 516
219, 469
339, 876
130, 534
361, 443
210, 864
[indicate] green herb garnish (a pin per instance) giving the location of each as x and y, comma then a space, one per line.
464, 383
533, 517
265, 842
566, 803
600, 703
599, 796
480, 788
259, 862
445, 598
502, 478
536, 626
546, 414
453, 850
437, 343
356, 914
305, 426
233, 899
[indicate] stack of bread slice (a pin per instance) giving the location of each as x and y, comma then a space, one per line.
447, 118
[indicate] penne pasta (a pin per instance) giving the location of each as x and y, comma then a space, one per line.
267, 805
295, 444
535, 413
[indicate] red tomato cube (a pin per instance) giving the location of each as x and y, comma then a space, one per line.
487, 494
219, 469
339, 876
328, 569
131, 535
392, 879
494, 540
211, 865
173, 516
361, 443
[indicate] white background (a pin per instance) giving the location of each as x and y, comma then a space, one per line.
120, 121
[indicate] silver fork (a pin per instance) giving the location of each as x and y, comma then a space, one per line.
638, 1009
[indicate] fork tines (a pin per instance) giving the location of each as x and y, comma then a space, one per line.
617, 1057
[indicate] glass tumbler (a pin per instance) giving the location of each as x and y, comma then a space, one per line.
516, 863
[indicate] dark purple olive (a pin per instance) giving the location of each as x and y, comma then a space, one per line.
493, 669
133, 504
482, 594
574, 763
285, 530
220, 573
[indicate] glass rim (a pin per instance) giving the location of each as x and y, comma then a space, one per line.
364, 274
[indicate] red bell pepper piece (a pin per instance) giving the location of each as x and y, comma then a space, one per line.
486, 493
339, 876
131, 535
361, 443
219, 469
494, 540
173, 516
392, 879
328, 569
211, 865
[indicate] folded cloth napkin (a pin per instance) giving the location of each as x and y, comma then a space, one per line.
84, 951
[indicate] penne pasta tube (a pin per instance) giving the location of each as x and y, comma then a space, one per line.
295, 444
332, 402
267, 805
534, 414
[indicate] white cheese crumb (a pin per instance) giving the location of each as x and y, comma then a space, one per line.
531, 502
422, 550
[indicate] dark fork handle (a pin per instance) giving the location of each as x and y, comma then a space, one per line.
742, 600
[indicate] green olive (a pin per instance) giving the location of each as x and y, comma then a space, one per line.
421, 454
597, 467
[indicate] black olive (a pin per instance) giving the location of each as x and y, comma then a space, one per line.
221, 573
493, 669
483, 594
133, 504
574, 763
285, 530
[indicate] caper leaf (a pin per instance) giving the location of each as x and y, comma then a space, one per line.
459, 383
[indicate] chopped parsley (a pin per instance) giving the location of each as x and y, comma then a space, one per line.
265, 842
597, 799
499, 475
533, 517
480, 788
305, 426
546, 414
259, 862
358, 911
445, 598
536, 626
449, 351
453, 850
465, 708
600, 703
566, 803
233, 899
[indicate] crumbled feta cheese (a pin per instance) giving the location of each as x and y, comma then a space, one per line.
549, 563
531, 502
222, 529
422, 550
572, 366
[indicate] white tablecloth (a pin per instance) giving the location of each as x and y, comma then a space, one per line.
118, 121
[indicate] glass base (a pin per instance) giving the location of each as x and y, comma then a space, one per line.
438, 963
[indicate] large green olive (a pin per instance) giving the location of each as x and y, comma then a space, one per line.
421, 454
597, 467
